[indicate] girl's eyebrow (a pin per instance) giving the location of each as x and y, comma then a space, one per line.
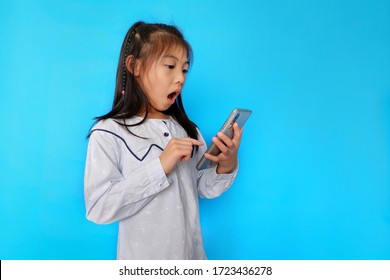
175, 58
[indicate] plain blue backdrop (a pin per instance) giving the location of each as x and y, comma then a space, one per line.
314, 161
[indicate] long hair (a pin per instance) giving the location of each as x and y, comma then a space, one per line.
149, 42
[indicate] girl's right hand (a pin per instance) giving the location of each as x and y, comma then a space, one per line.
178, 149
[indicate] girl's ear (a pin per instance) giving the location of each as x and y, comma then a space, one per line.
133, 65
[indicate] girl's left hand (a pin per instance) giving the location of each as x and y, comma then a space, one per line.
227, 159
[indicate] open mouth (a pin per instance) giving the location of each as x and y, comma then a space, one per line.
173, 95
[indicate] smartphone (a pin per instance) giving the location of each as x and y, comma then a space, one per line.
238, 116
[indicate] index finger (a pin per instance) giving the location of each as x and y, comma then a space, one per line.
193, 141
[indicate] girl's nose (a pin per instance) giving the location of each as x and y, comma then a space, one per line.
181, 78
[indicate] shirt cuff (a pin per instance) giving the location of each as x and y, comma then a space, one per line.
225, 176
157, 174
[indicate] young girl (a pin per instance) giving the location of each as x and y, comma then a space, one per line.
140, 167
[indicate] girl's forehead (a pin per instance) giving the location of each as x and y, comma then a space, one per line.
178, 52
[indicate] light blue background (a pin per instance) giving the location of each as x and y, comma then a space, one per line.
314, 161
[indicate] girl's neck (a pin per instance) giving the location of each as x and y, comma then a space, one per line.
154, 114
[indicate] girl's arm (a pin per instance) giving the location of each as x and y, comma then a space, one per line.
109, 196
212, 182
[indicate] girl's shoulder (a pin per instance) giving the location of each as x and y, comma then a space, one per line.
106, 125
117, 128
113, 124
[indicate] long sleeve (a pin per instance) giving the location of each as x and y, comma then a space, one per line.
211, 184
109, 195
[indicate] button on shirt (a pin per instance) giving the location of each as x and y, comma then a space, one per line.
124, 181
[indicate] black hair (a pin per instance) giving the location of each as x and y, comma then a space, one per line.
149, 42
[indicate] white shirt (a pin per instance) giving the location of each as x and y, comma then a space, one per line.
124, 181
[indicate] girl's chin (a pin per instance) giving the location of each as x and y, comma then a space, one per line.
158, 113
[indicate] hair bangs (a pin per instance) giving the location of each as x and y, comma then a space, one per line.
162, 43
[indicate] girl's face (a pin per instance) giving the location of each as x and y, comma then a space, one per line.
163, 81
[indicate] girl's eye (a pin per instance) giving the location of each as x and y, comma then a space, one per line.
170, 66
185, 71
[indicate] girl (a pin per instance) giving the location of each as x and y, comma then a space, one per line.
140, 167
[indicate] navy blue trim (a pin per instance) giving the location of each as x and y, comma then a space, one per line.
123, 140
